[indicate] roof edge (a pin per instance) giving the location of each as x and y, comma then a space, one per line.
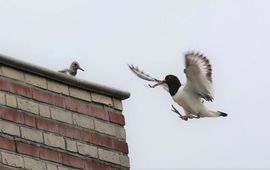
63, 78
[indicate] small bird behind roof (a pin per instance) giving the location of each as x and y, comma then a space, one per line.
72, 70
191, 95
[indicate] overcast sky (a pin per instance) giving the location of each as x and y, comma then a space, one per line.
106, 35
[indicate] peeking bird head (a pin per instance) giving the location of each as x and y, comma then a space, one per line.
75, 66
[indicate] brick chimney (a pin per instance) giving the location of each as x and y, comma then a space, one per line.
52, 121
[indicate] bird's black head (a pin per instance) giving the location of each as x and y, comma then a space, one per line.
173, 84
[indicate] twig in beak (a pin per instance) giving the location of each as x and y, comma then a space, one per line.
157, 84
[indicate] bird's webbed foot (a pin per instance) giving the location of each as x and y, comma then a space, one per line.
185, 117
194, 117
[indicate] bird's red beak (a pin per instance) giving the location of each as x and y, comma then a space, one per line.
158, 84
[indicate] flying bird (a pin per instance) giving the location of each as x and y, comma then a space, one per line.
72, 70
190, 96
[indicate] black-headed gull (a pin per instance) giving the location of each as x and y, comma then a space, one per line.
191, 95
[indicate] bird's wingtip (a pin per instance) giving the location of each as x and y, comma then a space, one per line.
223, 114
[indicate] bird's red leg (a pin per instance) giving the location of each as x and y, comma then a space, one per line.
183, 117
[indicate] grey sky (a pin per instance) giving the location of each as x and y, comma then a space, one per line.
106, 35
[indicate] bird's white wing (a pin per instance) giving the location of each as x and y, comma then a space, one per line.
145, 76
199, 75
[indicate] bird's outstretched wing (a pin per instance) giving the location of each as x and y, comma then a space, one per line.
141, 74
146, 77
199, 75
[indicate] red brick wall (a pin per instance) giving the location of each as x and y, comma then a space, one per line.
53, 126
